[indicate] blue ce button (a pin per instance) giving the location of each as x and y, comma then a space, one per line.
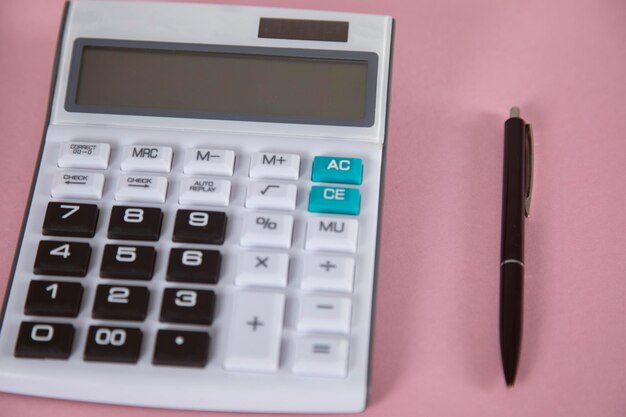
335, 200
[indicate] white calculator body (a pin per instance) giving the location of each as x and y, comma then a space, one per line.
203, 225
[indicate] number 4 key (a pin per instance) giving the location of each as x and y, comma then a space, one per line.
62, 258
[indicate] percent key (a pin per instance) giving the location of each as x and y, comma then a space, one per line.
267, 231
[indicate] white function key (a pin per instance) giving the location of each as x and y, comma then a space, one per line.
254, 332
267, 230
274, 196
141, 189
324, 314
77, 185
205, 192
147, 158
280, 166
84, 155
321, 357
263, 269
332, 234
205, 161
328, 273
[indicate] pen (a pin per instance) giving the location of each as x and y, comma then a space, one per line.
516, 192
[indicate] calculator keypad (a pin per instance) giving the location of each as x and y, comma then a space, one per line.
264, 267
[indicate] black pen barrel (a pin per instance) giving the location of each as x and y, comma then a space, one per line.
514, 190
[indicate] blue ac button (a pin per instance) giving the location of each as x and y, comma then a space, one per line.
337, 170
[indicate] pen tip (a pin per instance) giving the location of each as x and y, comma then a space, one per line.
509, 386
515, 111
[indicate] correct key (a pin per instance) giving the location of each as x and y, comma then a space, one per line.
128, 262
113, 344
44, 340
62, 258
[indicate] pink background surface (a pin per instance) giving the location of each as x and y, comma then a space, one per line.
458, 67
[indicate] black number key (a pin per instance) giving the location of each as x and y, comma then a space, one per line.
52, 298
181, 348
44, 340
70, 219
194, 226
194, 265
62, 258
128, 262
113, 344
121, 302
135, 223
187, 306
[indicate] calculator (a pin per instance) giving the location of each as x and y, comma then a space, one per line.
203, 227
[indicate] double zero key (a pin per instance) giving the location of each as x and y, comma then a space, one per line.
113, 344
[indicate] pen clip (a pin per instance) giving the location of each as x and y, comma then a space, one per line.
529, 167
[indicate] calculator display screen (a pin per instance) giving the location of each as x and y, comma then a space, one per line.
285, 87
